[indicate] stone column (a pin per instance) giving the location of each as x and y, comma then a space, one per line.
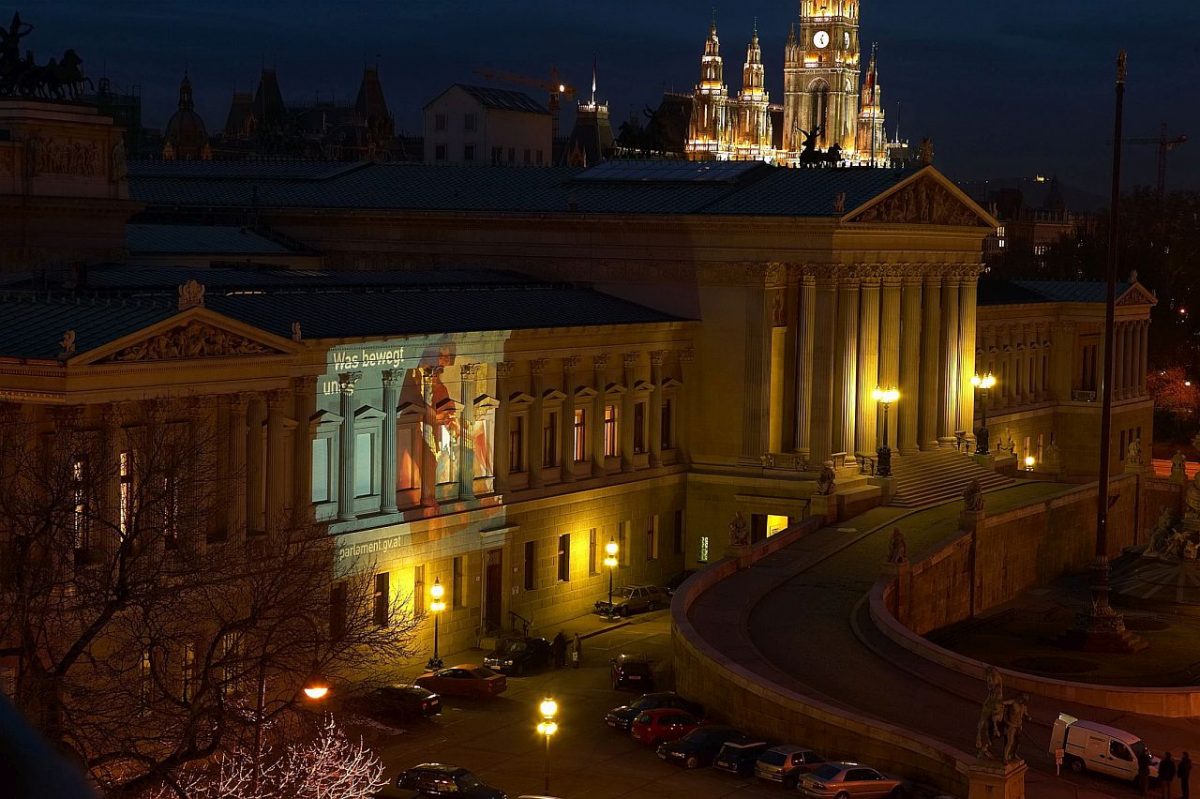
1062, 370
537, 413
656, 406
949, 360
275, 462
889, 353
684, 396
1119, 351
630, 361
821, 429
304, 393
866, 410
599, 369
931, 376
111, 447
504, 370
967, 321
256, 415
429, 436
566, 424
846, 361
1143, 354
467, 375
806, 321
236, 507
387, 480
346, 382
910, 368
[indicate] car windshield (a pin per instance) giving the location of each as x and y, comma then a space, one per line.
773, 758
512, 647
623, 593
482, 674
648, 702
469, 780
827, 772
643, 719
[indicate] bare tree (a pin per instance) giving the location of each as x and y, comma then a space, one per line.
141, 639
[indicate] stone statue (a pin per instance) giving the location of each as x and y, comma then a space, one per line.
191, 295
296, 334
981, 440
1157, 546
973, 496
991, 712
884, 464
1178, 467
119, 166
1133, 453
898, 550
24, 77
1175, 545
1016, 713
739, 531
1189, 550
67, 344
825, 483
925, 154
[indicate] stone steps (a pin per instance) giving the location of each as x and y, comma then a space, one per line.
931, 478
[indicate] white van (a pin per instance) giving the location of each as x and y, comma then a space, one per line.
1089, 746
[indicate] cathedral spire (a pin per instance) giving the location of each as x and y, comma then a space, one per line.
185, 93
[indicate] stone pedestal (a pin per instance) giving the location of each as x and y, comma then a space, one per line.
994, 780
824, 505
739, 553
969, 520
987, 461
902, 574
887, 487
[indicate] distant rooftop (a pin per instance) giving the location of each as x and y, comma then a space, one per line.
501, 99
199, 240
993, 291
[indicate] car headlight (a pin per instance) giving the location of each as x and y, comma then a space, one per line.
508, 662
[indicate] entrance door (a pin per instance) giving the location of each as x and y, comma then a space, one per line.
493, 586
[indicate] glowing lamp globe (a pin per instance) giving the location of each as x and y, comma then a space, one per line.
436, 593
316, 689
548, 708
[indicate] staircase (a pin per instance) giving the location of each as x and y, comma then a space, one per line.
931, 478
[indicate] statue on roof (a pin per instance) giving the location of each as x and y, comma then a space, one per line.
55, 80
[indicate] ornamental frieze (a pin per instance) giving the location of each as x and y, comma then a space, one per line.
921, 202
192, 340
54, 157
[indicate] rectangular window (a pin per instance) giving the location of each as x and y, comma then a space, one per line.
383, 600
678, 548
564, 557
418, 595
516, 444
457, 588
639, 427
79, 516
652, 537
592, 549
668, 433
579, 450
530, 565
439, 152
364, 465
623, 542
439, 121
321, 477
469, 122
126, 498
550, 440
189, 671
702, 553
468, 152
338, 601
611, 431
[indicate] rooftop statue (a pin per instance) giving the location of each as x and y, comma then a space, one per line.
24, 77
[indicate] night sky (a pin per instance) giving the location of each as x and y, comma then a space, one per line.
1005, 89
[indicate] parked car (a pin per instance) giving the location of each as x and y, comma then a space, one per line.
1088, 746
739, 758
631, 672
654, 727
439, 779
629, 599
700, 746
519, 656
464, 680
396, 703
849, 781
785, 764
622, 717
673, 584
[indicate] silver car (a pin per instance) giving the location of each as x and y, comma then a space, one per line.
785, 764
849, 781
630, 599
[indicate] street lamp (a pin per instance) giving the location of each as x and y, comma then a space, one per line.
610, 560
547, 727
316, 689
983, 384
885, 396
1030, 461
436, 606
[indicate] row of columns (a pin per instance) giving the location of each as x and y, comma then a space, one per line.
1129, 372
262, 501
858, 333
1020, 358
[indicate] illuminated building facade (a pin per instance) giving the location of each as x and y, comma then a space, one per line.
822, 98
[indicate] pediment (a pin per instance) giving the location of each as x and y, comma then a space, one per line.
519, 399
486, 402
410, 409
1137, 294
927, 198
670, 383
192, 335
585, 393
367, 413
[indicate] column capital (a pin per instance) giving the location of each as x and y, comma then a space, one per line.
631, 359
601, 360
276, 398
239, 401
687, 355
571, 362
346, 381
304, 384
537, 366
469, 371
390, 378
657, 357
505, 369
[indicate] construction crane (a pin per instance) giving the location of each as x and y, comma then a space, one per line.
1165, 144
554, 86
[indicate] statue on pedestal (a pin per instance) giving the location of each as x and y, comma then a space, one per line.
1157, 547
825, 483
973, 497
1178, 467
1133, 453
991, 713
1016, 713
898, 549
739, 531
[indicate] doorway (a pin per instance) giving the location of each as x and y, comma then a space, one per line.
493, 589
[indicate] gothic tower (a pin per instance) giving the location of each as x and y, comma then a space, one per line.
709, 104
821, 77
872, 141
753, 135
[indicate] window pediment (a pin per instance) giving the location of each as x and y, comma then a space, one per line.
519, 399
614, 390
671, 383
553, 396
486, 402
585, 393
368, 414
410, 409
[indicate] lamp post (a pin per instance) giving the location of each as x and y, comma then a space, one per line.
885, 396
983, 384
316, 689
547, 727
610, 560
1030, 462
436, 606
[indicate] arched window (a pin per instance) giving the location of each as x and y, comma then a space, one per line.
819, 120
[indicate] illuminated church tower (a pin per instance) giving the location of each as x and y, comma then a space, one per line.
821, 78
707, 130
872, 145
752, 138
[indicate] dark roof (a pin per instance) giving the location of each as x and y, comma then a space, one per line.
119, 301
614, 187
503, 99
993, 291
199, 240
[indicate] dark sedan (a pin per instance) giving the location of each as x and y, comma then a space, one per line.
622, 717
739, 758
439, 779
519, 656
396, 703
630, 672
700, 746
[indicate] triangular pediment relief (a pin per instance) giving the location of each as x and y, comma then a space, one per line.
448, 406
553, 395
367, 413
615, 389
486, 402
643, 386
519, 399
325, 419
671, 382
410, 409
585, 393
1137, 294
196, 334
926, 198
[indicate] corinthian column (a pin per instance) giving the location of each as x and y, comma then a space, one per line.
537, 421
910, 367
387, 486
467, 373
967, 298
346, 381
806, 324
504, 370
889, 348
846, 360
236, 518
276, 460
931, 376
256, 415
630, 360
949, 361
567, 422
821, 430
866, 412
429, 437
656, 406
